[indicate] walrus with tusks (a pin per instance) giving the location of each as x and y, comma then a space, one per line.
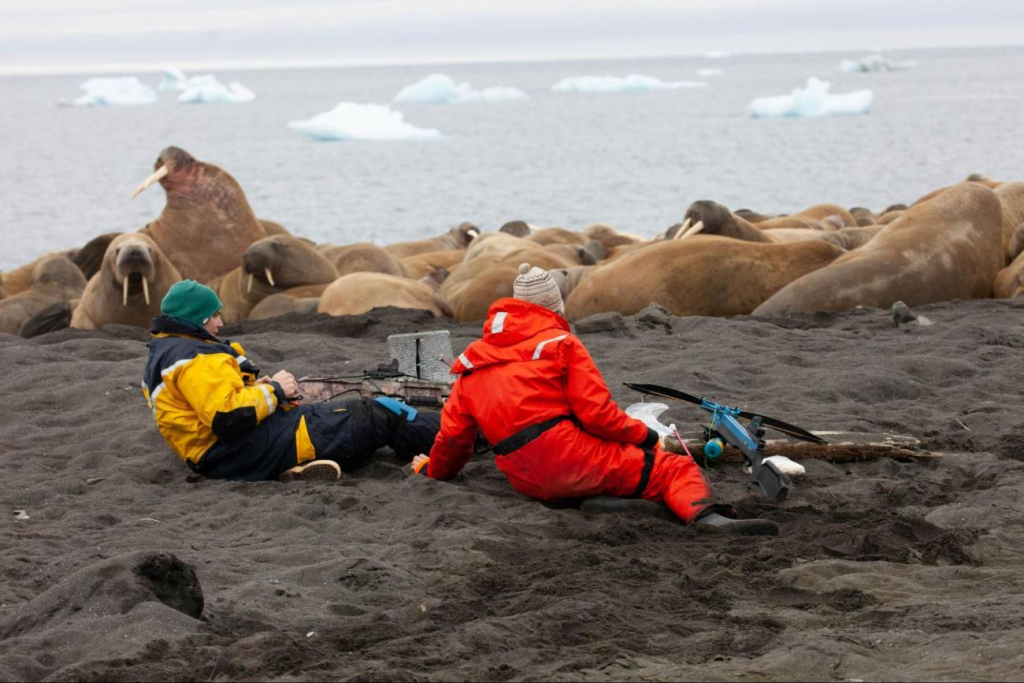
207, 222
55, 280
128, 289
458, 237
949, 247
271, 266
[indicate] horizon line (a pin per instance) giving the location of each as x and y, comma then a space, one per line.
256, 64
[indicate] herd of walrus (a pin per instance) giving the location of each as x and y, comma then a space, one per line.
964, 241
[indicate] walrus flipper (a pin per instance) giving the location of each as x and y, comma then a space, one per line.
52, 318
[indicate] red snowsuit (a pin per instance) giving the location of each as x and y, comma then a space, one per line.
527, 369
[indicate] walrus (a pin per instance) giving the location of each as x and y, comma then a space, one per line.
977, 178
360, 292
418, 265
711, 218
55, 280
610, 237
363, 257
817, 217
863, 216
127, 290
947, 248
1011, 198
702, 275
271, 266
207, 223
457, 238
548, 236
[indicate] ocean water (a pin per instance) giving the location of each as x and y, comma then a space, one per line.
634, 160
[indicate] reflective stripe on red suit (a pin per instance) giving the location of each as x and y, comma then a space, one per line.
528, 368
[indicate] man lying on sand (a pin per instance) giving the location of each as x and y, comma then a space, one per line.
533, 390
227, 422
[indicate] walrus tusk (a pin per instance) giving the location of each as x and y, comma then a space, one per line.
697, 227
124, 298
270, 278
682, 229
145, 288
160, 173
249, 288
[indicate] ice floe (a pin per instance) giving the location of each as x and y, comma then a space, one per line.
709, 72
813, 100
173, 78
632, 82
874, 63
126, 90
207, 89
352, 121
442, 89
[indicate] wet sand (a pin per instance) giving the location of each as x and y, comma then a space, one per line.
884, 570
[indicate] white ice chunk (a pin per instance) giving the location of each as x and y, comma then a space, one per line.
874, 63
814, 100
717, 54
648, 414
351, 121
173, 79
616, 84
126, 90
207, 89
709, 72
442, 89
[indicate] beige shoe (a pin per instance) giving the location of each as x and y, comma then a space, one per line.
316, 470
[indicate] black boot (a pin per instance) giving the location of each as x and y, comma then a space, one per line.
747, 527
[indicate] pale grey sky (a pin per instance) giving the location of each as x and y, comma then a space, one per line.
91, 35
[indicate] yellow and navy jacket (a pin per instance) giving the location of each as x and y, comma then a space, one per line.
202, 390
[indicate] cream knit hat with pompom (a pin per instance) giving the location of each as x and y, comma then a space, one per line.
536, 286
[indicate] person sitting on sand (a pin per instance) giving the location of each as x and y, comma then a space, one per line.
226, 422
534, 391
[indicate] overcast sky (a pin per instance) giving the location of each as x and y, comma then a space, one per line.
54, 35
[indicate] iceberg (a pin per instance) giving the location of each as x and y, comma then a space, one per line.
709, 72
633, 82
442, 89
874, 63
126, 90
814, 100
173, 78
351, 121
207, 89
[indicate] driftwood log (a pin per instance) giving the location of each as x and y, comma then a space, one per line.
841, 447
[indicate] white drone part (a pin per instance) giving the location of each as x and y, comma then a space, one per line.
648, 414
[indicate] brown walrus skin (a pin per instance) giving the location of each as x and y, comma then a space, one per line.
947, 248
699, 275
207, 223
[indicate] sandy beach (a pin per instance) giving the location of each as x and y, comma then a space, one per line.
119, 564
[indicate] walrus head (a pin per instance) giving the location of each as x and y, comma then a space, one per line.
465, 233
516, 229
284, 261
61, 274
173, 168
131, 265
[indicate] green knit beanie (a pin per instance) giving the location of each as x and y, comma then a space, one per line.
192, 301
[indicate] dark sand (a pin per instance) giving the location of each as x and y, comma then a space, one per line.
884, 570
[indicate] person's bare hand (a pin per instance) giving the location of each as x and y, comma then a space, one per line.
417, 462
287, 381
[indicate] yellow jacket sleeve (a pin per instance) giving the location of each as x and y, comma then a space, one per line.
213, 386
